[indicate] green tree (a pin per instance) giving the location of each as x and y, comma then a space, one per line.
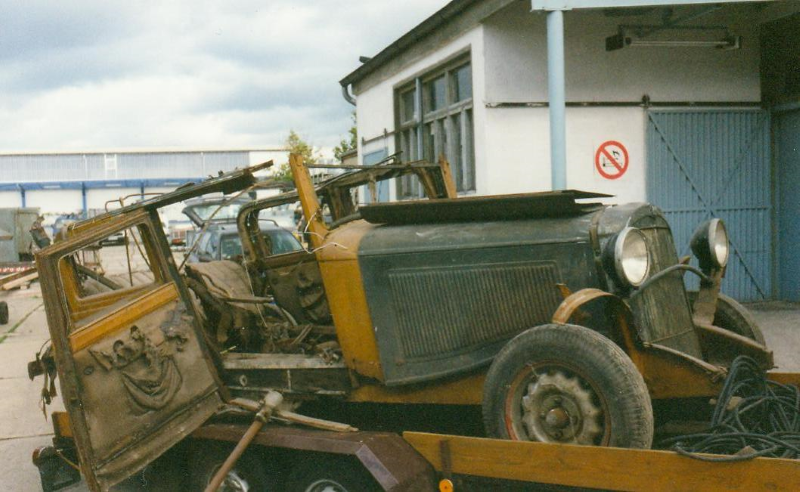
296, 145
347, 145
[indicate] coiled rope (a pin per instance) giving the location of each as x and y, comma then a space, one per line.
753, 417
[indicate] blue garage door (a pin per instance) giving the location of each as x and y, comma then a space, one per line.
703, 164
787, 134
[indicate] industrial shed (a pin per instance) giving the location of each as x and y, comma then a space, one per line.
83, 182
691, 105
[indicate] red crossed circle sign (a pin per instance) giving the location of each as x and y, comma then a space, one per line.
611, 159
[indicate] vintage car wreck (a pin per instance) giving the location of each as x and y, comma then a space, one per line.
563, 319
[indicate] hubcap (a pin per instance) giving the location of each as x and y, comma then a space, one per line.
553, 404
234, 482
326, 485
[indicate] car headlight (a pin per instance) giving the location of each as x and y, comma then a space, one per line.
627, 256
710, 244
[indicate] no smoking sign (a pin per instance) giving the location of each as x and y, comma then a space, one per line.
611, 159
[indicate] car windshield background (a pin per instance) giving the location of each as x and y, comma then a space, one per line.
227, 212
282, 242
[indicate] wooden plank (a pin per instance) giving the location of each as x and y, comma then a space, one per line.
603, 468
785, 377
10, 281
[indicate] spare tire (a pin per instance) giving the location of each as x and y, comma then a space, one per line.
567, 384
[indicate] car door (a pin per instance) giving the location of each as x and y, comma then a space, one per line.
136, 376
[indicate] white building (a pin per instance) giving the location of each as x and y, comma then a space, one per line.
688, 115
85, 182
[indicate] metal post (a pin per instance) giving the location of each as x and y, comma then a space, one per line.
141, 189
557, 99
84, 201
22, 196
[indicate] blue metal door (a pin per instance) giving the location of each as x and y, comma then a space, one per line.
787, 137
716, 163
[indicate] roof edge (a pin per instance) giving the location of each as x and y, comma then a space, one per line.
415, 35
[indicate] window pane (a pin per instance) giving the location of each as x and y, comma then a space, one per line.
463, 76
436, 94
456, 161
119, 267
407, 106
469, 144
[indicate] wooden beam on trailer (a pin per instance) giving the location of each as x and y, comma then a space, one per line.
600, 467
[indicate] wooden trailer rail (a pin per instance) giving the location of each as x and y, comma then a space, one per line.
598, 467
602, 467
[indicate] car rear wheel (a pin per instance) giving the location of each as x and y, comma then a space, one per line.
732, 316
251, 473
330, 474
567, 384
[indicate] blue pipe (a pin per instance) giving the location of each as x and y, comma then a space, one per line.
22, 196
557, 99
84, 201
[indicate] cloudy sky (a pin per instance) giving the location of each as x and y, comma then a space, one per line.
99, 74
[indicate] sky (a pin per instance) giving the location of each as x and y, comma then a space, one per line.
99, 74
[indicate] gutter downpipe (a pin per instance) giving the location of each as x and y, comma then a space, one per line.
556, 95
347, 96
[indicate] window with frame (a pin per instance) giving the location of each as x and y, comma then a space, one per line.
434, 117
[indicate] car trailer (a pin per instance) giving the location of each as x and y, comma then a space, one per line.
416, 461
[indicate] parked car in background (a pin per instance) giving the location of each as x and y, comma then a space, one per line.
222, 242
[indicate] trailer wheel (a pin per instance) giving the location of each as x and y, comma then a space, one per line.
251, 473
734, 317
330, 474
3, 313
567, 384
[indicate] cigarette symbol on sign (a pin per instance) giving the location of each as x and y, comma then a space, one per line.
611, 159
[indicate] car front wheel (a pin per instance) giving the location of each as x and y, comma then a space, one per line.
567, 384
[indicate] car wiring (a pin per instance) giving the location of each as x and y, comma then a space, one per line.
753, 417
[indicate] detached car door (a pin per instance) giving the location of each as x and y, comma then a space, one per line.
136, 375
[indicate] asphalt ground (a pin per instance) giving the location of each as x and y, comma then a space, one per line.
23, 426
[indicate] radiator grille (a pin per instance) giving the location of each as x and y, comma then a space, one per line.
662, 310
442, 311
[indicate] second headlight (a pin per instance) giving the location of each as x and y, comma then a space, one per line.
627, 254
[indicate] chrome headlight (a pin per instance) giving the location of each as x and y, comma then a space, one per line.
627, 253
710, 244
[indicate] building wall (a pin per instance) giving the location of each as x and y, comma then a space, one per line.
518, 150
139, 165
375, 106
10, 199
509, 57
516, 83
54, 168
55, 201
516, 60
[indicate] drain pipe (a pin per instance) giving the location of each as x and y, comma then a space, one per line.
347, 96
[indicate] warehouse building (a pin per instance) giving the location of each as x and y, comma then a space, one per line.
691, 105
84, 183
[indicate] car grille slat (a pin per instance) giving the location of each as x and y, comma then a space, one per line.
494, 302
